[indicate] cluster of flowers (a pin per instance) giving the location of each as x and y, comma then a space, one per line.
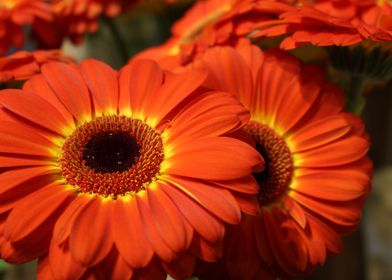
203, 156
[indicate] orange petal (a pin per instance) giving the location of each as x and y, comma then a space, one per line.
129, 235
345, 183
40, 87
90, 240
207, 251
138, 82
196, 215
231, 72
62, 264
207, 125
152, 234
319, 133
219, 158
68, 85
33, 108
168, 220
103, 84
173, 91
290, 253
336, 153
35, 211
219, 202
65, 222
341, 213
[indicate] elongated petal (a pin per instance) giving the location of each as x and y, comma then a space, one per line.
129, 235
103, 84
91, 239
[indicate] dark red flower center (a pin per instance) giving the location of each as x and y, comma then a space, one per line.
111, 151
112, 156
275, 178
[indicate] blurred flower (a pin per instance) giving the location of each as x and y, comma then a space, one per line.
316, 173
217, 22
14, 14
337, 22
78, 17
116, 173
23, 65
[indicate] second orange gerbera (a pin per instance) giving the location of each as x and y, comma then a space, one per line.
14, 14
120, 173
316, 171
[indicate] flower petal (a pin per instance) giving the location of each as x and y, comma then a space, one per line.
128, 234
90, 240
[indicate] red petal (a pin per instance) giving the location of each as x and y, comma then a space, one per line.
196, 215
153, 235
129, 235
67, 83
33, 108
218, 201
319, 133
336, 153
173, 91
34, 212
168, 220
138, 82
91, 240
103, 84
62, 264
218, 158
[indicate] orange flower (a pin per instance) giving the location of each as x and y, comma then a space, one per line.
16, 13
78, 17
23, 65
316, 171
106, 172
216, 22
337, 22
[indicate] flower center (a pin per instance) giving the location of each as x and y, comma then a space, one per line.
112, 156
275, 178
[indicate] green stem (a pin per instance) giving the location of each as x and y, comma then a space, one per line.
118, 39
354, 95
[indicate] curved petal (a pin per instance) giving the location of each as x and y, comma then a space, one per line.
152, 234
167, 219
103, 84
138, 82
34, 109
67, 83
218, 201
175, 89
220, 158
35, 211
62, 264
196, 215
90, 240
337, 153
128, 234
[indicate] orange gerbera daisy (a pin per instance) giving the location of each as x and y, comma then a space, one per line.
106, 172
16, 13
217, 22
23, 65
316, 171
338, 22
78, 17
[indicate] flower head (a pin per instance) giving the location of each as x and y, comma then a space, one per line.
216, 23
338, 22
14, 14
75, 18
316, 173
122, 173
